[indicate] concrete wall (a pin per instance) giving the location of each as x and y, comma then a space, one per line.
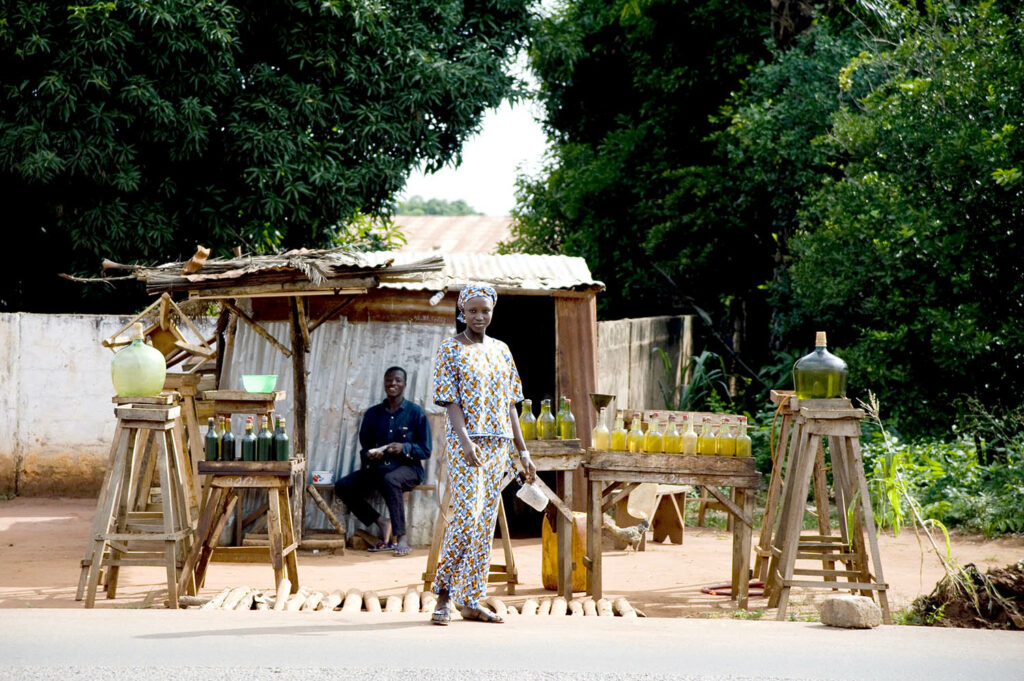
56, 417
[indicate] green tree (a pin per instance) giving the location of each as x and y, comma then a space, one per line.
914, 251
417, 205
135, 130
628, 89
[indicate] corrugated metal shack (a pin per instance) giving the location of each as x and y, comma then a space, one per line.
342, 318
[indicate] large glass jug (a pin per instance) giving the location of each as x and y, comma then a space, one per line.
138, 370
819, 375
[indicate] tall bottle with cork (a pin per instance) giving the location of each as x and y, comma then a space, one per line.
212, 442
672, 440
567, 427
281, 446
820, 374
228, 447
636, 435
742, 439
689, 437
653, 441
264, 441
725, 443
706, 439
248, 441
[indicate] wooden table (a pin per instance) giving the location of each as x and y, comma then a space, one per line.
225, 480
610, 476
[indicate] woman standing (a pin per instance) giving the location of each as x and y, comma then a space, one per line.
476, 380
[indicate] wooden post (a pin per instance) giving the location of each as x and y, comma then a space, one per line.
576, 367
299, 351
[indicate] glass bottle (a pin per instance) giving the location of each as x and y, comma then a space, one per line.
600, 438
264, 441
228, 449
212, 441
249, 441
742, 439
558, 417
636, 435
672, 440
706, 439
619, 434
654, 443
725, 443
689, 436
138, 369
527, 421
545, 422
567, 428
281, 445
819, 375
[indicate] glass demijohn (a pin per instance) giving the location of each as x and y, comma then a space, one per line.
820, 375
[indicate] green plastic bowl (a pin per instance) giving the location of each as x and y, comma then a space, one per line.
259, 383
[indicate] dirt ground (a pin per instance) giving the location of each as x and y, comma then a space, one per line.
42, 542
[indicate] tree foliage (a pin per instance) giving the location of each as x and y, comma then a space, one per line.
417, 205
628, 88
136, 129
914, 250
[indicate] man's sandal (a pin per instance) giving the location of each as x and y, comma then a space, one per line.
441, 616
382, 546
480, 615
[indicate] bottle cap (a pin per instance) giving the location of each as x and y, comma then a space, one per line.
137, 330
819, 340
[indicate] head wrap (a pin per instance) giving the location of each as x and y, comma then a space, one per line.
474, 291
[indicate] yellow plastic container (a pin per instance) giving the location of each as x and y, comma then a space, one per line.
549, 553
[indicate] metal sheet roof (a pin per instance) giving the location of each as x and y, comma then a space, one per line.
512, 272
453, 233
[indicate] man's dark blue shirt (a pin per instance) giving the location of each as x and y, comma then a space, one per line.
406, 425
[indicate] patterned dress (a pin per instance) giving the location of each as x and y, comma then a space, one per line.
483, 380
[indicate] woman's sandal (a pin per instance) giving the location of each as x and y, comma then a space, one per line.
441, 616
403, 550
382, 546
481, 615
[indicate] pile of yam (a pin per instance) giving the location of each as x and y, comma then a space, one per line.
354, 601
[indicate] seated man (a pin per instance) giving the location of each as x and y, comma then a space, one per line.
394, 440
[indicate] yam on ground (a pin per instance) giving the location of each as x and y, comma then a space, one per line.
236, 595
332, 600
544, 607
353, 601
313, 602
411, 600
245, 602
604, 608
558, 607
295, 601
529, 607
589, 608
393, 604
217, 600
428, 600
371, 602
622, 608
261, 601
576, 608
192, 601
496, 604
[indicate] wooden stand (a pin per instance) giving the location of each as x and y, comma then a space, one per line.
611, 476
839, 422
145, 444
226, 479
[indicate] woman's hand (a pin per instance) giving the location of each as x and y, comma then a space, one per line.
474, 455
529, 469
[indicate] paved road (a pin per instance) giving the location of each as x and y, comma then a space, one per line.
118, 644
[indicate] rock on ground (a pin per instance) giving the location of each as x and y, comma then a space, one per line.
850, 612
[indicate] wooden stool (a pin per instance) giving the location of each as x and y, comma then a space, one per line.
839, 422
670, 513
145, 444
226, 479
506, 574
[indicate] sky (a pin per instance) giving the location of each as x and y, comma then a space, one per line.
510, 138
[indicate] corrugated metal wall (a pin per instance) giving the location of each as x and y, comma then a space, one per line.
626, 364
346, 372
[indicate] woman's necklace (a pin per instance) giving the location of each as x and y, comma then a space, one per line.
469, 340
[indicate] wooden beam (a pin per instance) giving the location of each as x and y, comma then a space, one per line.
576, 368
298, 382
255, 327
300, 318
333, 311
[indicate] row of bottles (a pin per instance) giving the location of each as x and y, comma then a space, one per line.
222, 445
724, 442
547, 426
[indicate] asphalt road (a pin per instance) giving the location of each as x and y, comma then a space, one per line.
116, 644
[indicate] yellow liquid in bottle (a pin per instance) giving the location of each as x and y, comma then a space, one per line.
619, 437
546, 422
743, 440
600, 438
636, 436
527, 421
672, 440
725, 442
706, 441
653, 441
689, 439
